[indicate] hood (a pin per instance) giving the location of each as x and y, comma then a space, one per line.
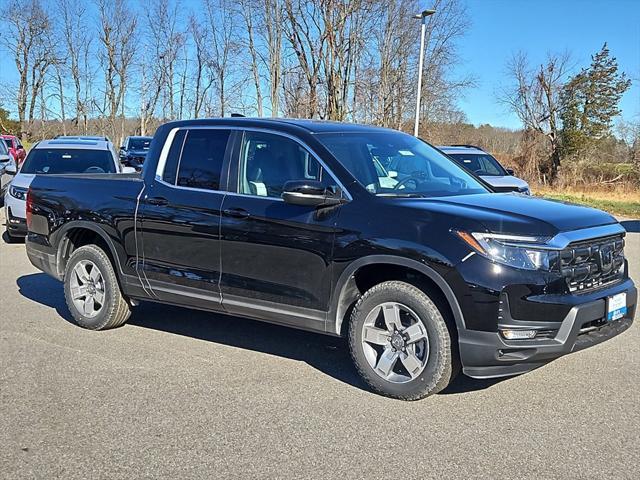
505, 181
22, 180
512, 213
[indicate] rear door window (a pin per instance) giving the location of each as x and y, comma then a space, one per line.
202, 157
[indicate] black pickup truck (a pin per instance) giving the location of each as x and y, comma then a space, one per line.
423, 269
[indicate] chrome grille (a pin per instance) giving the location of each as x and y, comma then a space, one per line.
591, 264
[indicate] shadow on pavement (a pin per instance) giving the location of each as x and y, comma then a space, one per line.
463, 384
631, 226
329, 355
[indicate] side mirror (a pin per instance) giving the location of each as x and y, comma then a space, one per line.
310, 193
128, 170
11, 168
510, 171
392, 174
121, 147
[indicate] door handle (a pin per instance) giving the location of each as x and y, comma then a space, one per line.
235, 213
159, 201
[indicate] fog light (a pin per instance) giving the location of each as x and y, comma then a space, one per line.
518, 334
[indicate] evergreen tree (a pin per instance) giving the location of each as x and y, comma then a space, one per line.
590, 102
6, 124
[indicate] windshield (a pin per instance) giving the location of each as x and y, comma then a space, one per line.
480, 163
397, 164
59, 160
139, 143
3, 148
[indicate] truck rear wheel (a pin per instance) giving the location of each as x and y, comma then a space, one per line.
92, 292
400, 343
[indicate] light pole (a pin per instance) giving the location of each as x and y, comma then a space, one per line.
423, 16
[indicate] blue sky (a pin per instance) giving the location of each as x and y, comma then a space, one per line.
501, 27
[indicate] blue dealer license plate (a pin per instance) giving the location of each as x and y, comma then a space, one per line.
616, 306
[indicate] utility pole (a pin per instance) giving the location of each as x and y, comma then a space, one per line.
423, 17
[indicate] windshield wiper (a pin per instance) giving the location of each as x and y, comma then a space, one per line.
402, 195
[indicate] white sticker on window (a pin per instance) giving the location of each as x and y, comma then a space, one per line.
406, 153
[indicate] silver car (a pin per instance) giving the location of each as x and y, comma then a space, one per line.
486, 167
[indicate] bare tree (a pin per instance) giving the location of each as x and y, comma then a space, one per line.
534, 98
162, 41
163, 19
248, 13
441, 91
76, 42
273, 32
305, 34
221, 17
117, 37
343, 21
202, 82
27, 40
58, 67
388, 75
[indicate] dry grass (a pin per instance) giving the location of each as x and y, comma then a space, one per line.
620, 201
620, 194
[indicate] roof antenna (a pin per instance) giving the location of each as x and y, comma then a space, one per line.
237, 115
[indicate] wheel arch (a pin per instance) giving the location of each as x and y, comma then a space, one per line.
78, 233
347, 291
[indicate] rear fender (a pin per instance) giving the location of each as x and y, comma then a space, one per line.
62, 242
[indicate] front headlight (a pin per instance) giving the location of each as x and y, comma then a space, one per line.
18, 192
529, 253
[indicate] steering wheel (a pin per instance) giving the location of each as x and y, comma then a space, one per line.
415, 178
94, 170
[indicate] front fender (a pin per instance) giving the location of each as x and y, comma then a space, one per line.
345, 292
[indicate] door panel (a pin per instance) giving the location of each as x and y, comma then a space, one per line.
180, 214
180, 238
276, 257
278, 252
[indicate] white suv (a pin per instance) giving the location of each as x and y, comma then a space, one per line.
61, 156
486, 167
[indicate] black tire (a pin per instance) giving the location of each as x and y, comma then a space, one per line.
115, 310
442, 363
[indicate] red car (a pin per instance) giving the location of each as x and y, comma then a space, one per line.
15, 148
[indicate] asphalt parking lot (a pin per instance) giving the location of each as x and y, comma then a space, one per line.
184, 394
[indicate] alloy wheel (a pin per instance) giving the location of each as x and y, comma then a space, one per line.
87, 288
395, 342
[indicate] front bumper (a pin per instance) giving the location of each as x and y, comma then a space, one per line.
488, 354
16, 226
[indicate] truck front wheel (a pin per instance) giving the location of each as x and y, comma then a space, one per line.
92, 292
400, 343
